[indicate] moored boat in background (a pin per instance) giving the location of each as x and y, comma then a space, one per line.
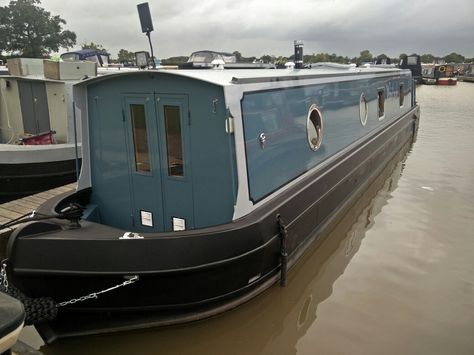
438, 74
38, 149
200, 188
413, 62
468, 74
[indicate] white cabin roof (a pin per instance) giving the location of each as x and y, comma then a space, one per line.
226, 77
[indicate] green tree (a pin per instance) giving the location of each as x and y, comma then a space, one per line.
238, 56
28, 30
125, 56
364, 57
267, 58
281, 60
454, 58
93, 45
427, 58
174, 60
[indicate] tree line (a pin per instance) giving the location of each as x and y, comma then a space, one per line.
28, 30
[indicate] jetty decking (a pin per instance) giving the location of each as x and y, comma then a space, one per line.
17, 208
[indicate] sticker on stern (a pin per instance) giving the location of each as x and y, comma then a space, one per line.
179, 224
146, 218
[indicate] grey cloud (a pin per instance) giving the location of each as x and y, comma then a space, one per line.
256, 27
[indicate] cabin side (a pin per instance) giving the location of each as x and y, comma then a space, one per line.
288, 130
160, 158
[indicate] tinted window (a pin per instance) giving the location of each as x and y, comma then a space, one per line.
381, 101
174, 144
140, 139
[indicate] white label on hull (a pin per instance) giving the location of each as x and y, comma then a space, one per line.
179, 224
146, 218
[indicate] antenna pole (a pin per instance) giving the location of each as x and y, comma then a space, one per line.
151, 49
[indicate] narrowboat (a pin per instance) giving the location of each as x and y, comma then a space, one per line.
205, 59
38, 149
468, 74
438, 74
199, 189
100, 57
413, 62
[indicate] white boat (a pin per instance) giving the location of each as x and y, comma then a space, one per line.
38, 149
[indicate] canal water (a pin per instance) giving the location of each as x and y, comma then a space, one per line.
395, 276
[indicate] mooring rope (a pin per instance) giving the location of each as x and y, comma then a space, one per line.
46, 308
72, 212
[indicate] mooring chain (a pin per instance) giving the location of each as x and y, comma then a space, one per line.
96, 294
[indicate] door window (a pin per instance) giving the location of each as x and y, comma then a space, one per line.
140, 138
174, 144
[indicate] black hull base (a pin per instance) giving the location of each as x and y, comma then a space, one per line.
196, 274
20, 180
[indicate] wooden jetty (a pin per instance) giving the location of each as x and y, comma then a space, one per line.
16, 208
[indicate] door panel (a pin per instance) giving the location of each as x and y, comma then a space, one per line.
27, 108
144, 163
34, 107
157, 150
40, 102
173, 132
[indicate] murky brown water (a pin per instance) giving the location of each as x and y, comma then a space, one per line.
396, 276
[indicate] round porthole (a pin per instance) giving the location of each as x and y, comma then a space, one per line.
363, 111
314, 127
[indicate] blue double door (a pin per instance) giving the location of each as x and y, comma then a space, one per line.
156, 130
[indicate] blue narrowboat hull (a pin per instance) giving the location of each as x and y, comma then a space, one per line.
189, 275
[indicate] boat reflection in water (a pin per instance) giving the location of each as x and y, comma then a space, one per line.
274, 322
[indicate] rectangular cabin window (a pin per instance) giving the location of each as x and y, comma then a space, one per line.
413, 60
381, 100
174, 144
402, 95
140, 138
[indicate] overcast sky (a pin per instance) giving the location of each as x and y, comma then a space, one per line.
257, 27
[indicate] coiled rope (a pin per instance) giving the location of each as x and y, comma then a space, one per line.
36, 309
